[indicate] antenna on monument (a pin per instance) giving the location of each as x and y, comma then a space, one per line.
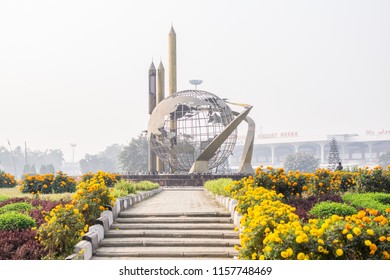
196, 83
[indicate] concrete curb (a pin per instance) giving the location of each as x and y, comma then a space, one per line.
91, 240
229, 204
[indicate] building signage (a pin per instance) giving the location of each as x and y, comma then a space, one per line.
278, 135
379, 132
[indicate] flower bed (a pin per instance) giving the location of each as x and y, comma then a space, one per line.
271, 229
17, 236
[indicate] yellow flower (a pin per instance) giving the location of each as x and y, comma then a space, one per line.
370, 232
367, 242
301, 256
320, 249
339, 252
262, 257
254, 255
267, 249
299, 239
290, 252
321, 241
357, 231
284, 254
349, 236
382, 238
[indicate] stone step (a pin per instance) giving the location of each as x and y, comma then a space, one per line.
165, 252
207, 226
129, 214
168, 242
174, 220
225, 234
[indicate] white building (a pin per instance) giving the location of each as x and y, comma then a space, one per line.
355, 150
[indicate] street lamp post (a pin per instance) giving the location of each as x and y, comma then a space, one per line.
73, 167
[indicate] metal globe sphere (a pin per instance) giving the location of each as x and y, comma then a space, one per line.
182, 125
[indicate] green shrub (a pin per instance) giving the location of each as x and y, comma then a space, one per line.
218, 186
64, 228
119, 193
326, 209
125, 186
3, 198
14, 221
377, 201
20, 207
146, 186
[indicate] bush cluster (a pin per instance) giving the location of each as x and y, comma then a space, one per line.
48, 183
124, 187
218, 186
270, 228
327, 209
20, 207
322, 181
20, 245
64, 227
377, 201
14, 220
92, 197
7, 180
110, 179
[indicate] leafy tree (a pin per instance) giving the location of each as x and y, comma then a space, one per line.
302, 162
134, 157
107, 161
384, 159
47, 169
333, 157
17, 160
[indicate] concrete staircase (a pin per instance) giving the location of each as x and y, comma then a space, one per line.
207, 235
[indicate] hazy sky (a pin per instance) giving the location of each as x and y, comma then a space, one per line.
76, 71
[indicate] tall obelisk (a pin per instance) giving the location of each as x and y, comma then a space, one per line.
159, 97
172, 61
172, 78
152, 104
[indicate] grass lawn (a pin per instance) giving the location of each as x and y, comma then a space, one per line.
15, 192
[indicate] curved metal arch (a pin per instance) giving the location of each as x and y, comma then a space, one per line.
201, 163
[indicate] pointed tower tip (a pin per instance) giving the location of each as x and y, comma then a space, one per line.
172, 30
160, 66
152, 65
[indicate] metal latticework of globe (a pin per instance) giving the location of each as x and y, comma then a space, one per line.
184, 124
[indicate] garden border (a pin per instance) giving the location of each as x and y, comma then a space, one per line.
230, 204
90, 241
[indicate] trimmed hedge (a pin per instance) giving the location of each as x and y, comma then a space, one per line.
14, 220
20, 207
218, 186
377, 201
326, 209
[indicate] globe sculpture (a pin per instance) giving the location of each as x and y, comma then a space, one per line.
183, 125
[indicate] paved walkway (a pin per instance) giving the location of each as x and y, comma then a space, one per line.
175, 223
178, 200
